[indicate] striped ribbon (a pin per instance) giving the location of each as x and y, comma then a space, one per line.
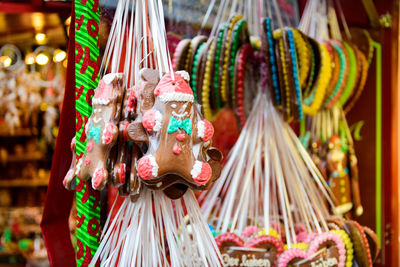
86, 71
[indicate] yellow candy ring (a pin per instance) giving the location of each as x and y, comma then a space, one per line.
206, 87
271, 232
313, 102
225, 57
303, 54
302, 246
349, 246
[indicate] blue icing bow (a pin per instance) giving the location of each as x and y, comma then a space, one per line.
94, 132
175, 124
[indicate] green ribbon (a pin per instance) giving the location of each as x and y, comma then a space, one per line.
86, 38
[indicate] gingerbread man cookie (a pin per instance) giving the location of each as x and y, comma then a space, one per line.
101, 130
179, 154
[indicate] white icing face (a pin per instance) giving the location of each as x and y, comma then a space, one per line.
179, 115
173, 105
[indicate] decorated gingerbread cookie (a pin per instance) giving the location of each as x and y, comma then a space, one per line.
179, 154
124, 170
262, 250
101, 130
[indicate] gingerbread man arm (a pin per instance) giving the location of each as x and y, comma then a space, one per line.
137, 133
69, 181
205, 131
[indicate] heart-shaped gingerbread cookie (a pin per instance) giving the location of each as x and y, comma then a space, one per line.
327, 249
262, 250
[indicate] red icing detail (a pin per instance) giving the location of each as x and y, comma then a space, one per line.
145, 168
229, 237
126, 124
180, 137
87, 160
204, 175
208, 131
89, 146
98, 178
255, 242
132, 100
149, 120
108, 134
167, 85
121, 173
177, 149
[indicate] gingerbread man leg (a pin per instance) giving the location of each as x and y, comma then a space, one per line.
69, 181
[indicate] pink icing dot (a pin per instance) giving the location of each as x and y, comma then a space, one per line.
180, 137
177, 149
87, 160
98, 178
121, 173
108, 134
208, 131
204, 175
145, 168
149, 120
89, 146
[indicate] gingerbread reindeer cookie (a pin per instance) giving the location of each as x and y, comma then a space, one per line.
101, 131
124, 171
179, 155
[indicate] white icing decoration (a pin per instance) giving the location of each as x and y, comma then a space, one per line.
108, 78
184, 75
173, 106
179, 97
96, 120
100, 101
103, 137
158, 118
200, 129
180, 116
195, 172
154, 165
78, 166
